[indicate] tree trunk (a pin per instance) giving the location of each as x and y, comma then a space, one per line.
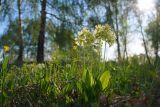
117, 33
156, 54
157, 42
111, 23
0, 5
125, 26
20, 53
143, 37
145, 47
125, 56
40, 50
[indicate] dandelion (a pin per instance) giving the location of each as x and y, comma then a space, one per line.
6, 48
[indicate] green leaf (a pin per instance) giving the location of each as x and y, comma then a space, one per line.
84, 76
79, 87
89, 79
98, 86
104, 79
4, 94
5, 64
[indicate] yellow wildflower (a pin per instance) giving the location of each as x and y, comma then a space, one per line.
6, 48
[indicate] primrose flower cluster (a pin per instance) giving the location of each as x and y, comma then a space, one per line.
84, 37
105, 33
101, 33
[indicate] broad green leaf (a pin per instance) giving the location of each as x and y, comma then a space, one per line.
104, 79
79, 87
98, 86
84, 76
89, 79
5, 64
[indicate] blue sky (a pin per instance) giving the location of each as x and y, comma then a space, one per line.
2, 27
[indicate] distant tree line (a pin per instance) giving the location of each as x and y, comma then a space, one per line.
34, 26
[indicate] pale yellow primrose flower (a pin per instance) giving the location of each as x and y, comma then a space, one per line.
101, 32
105, 33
